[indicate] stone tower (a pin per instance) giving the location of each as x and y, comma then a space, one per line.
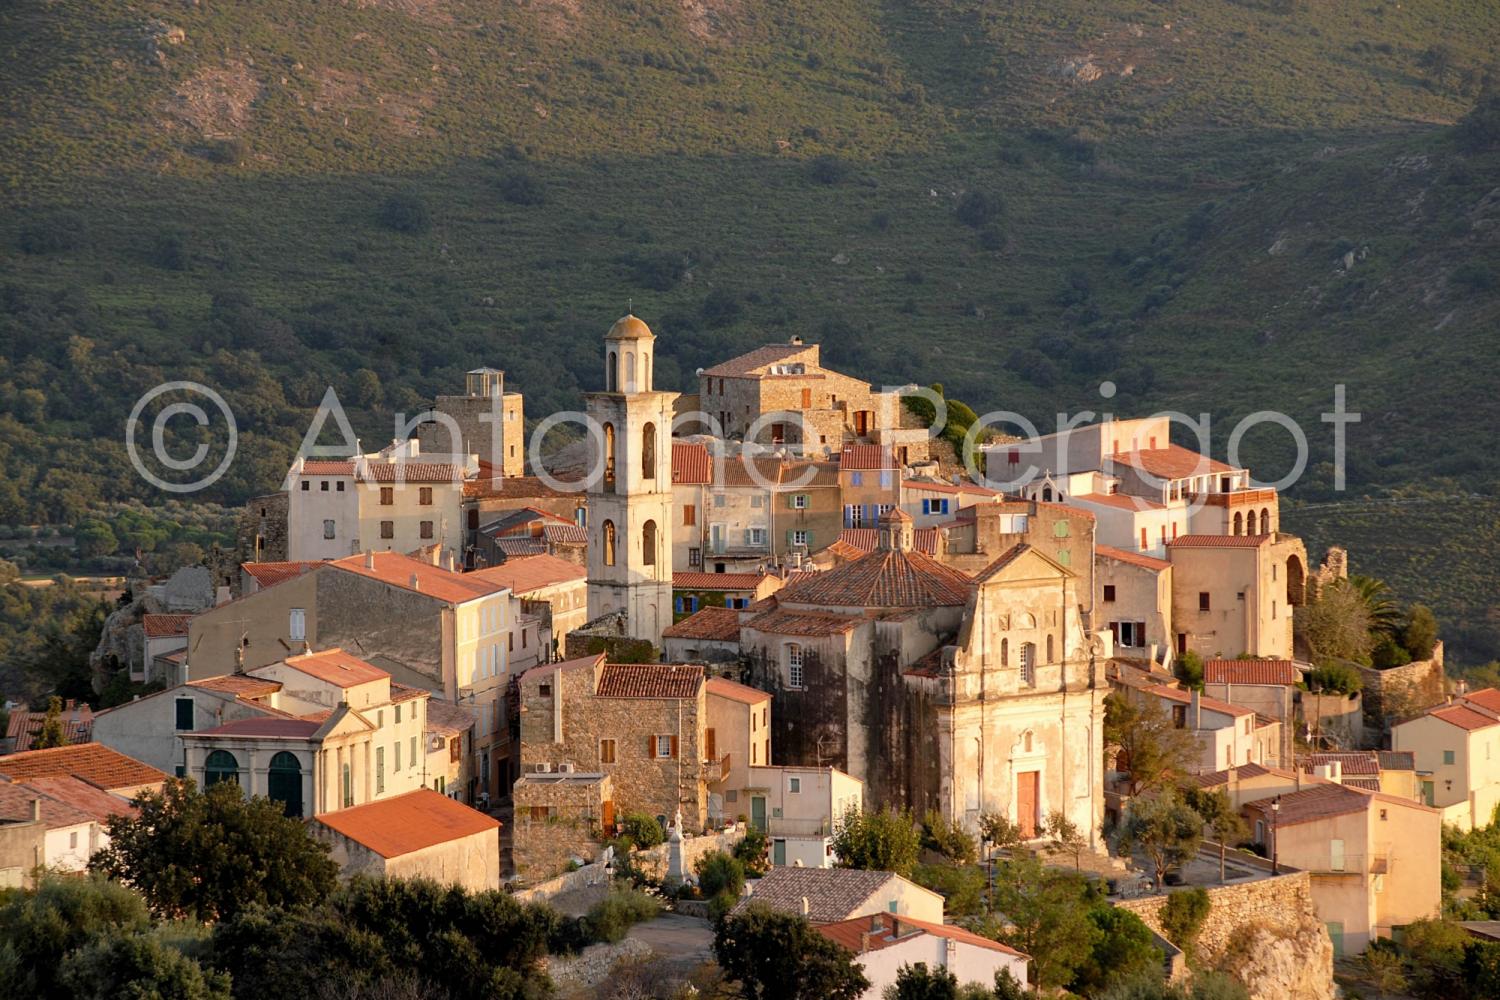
630, 491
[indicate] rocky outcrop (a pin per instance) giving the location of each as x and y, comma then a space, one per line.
1277, 962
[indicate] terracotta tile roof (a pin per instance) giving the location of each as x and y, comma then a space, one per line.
405, 692
77, 723
1485, 698
239, 685
516, 548
334, 666
930, 665
15, 807
1120, 501
748, 365
1367, 784
1397, 760
406, 823
1134, 558
397, 570
754, 472
563, 533
862, 457
1455, 715
526, 575
1315, 802
1216, 778
723, 687
266, 728
96, 802
716, 581
865, 934
312, 467
785, 621
924, 540
1218, 542
1171, 462
162, 626
448, 719
832, 894
523, 521
883, 579
649, 680
1184, 698
1280, 672
795, 477
1350, 762
715, 624
691, 464
93, 762
413, 472
489, 487
935, 486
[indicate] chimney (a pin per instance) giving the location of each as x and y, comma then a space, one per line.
36, 810
448, 561
415, 583
795, 341
804, 898
1195, 710
369, 558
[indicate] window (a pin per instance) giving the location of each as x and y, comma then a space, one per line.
544, 690
609, 543
1448, 756
720, 500
664, 746
348, 786
854, 515
379, 770
1051, 653
799, 538
695, 557
340, 486
581, 516
737, 602
794, 785
387, 529
1129, 633
1004, 652
424, 496
755, 536
323, 486
799, 501
648, 543
73, 839
939, 506
886, 478
328, 528
757, 501
184, 713
398, 715
793, 665
306, 486
856, 479
606, 751
387, 495
1179, 716
396, 752
1203, 603
609, 454
689, 514
297, 624
412, 745
1109, 592
1028, 663
1144, 543
426, 529
221, 765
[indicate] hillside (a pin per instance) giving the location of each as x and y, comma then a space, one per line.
1221, 206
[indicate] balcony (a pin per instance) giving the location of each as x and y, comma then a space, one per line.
799, 827
1234, 498
714, 771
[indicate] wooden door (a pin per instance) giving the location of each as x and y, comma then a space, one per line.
758, 812
807, 399
1026, 802
607, 814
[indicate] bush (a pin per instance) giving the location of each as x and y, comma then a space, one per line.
976, 209
1189, 669
828, 169
948, 839
405, 212
1183, 915
55, 232
521, 188
1335, 678
622, 909
1387, 653
643, 830
720, 874
754, 852
1420, 635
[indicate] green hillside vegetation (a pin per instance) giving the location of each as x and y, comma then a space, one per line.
1222, 206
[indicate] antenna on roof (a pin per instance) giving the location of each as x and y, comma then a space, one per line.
630, 307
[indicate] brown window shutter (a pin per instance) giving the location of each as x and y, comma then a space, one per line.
674, 746
650, 747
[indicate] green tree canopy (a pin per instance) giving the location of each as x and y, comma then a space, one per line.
1163, 828
39, 928
117, 965
1123, 950
878, 841
1146, 744
1045, 916
780, 956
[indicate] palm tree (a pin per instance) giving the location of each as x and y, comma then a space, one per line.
1385, 613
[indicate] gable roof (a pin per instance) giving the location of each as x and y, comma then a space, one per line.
1214, 779
649, 680
939, 486
716, 581
239, 685
1349, 761
413, 472
99, 804
522, 576
866, 934
398, 570
723, 687
1133, 558
1485, 698
162, 626
1184, 698
883, 579
93, 762
715, 624
24, 726
832, 894
511, 522
788, 621
1397, 760
747, 365
448, 719
1171, 462
923, 540
1014, 555
406, 823
334, 666
863, 457
1120, 501
1455, 715
1251, 671
268, 574
265, 728
16, 805
691, 464
1314, 802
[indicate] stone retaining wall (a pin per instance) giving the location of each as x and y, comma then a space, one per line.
1404, 691
654, 862
583, 878
1279, 901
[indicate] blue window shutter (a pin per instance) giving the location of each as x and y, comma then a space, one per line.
677, 604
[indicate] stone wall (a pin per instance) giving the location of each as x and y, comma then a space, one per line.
654, 863
1265, 933
1336, 716
260, 535
1403, 692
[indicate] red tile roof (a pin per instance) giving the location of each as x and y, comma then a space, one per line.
924, 540
1219, 542
334, 666
16, 804
1216, 778
860, 457
405, 692
490, 487
784, 621
860, 935
93, 762
522, 576
1134, 558
725, 688
1485, 698
883, 579
265, 728
312, 467
1184, 698
1120, 501
716, 581
940, 487
747, 365
1315, 802
406, 823
649, 680
81, 795
1282, 672
691, 464
1455, 715
398, 570
1171, 462
714, 624
268, 574
239, 685
413, 472
77, 723
448, 719
162, 626
1350, 762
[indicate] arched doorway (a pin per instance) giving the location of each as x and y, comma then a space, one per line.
648, 544
221, 765
1265, 521
1239, 523
648, 451
284, 782
1296, 582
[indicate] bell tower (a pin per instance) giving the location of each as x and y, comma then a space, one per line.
630, 486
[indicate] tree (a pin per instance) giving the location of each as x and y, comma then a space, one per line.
1000, 831
63, 913
95, 539
917, 982
878, 841
138, 965
1046, 916
1421, 632
1182, 917
1336, 625
209, 854
1220, 817
1163, 828
1006, 987
1189, 669
52, 734
780, 956
1124, 949
754, 852
1065, 837
720, 874
950, 840
1385, 613
405, 212
1144, 741
1385, 969
643, 829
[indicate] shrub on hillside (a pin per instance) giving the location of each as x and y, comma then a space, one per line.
643, 829
615, 914
521, 188
405, 212
1335, 678
55, 232
827, 169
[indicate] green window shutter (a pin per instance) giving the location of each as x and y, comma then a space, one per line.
809, 541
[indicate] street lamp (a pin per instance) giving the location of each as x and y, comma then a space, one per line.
1275, 848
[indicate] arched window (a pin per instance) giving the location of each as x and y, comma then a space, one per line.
648, 451
648, 543
609, 454
1265, 521
1005, 652
220, 766
1047, 494
1051, 658
630, 371
284, 782
609, 543
646, 374
1239, 523
1026, 742
1028, 663
610, 375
